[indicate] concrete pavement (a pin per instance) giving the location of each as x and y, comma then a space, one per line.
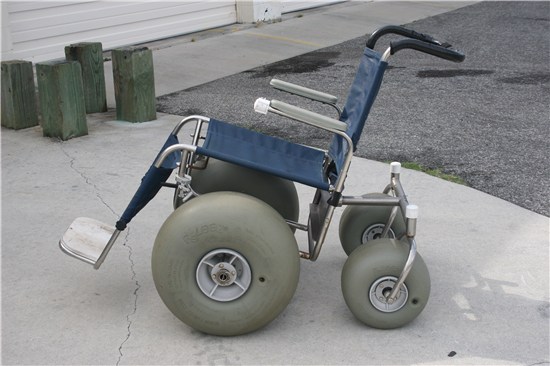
181, 63
488, 259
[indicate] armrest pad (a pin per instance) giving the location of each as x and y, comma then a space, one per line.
303, 91
309, 117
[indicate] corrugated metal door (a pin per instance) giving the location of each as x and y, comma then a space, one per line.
39, 30
295, 5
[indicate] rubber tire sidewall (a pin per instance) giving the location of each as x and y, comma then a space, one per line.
356, 219
220, 176
368, 263
231, 221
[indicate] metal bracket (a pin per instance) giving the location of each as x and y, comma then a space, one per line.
185, 192
411, 215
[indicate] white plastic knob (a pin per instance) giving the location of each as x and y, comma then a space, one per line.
411, 212
261, 105
395, 168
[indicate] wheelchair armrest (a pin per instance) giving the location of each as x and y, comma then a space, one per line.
317, 120
303, 91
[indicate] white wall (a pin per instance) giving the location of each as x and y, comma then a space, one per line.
295, 5
39, 30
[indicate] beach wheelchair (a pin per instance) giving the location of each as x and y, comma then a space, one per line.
226, 261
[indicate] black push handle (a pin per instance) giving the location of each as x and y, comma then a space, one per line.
446, 53
402, 32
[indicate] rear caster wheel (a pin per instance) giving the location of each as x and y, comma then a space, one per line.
362, 224
368, 277
221, 176
225, 263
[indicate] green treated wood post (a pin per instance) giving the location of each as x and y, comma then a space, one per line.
61, 95
18, 95
90, 57
134, 81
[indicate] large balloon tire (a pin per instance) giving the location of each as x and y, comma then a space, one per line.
361, 224
252, 237
379, 264
221, 176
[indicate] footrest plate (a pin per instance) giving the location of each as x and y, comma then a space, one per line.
86, 239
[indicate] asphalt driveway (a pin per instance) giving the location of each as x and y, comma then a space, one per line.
485, 120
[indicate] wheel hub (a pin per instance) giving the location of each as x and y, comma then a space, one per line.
380, 291
375, 232
223, 275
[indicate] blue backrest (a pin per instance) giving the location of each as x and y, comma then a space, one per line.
362, 94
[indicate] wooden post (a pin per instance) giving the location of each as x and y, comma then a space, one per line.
18, 95
90, 57
61, 95
134, 81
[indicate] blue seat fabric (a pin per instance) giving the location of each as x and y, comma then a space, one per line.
363, 92
269, 154
151, 183
292, 161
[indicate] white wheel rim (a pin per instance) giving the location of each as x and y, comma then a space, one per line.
223, 275
381, 289
374, 232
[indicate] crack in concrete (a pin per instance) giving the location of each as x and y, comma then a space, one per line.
87, 180
134, 274
134, 310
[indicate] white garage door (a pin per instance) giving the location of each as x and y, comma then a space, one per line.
40, 30
295, 5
